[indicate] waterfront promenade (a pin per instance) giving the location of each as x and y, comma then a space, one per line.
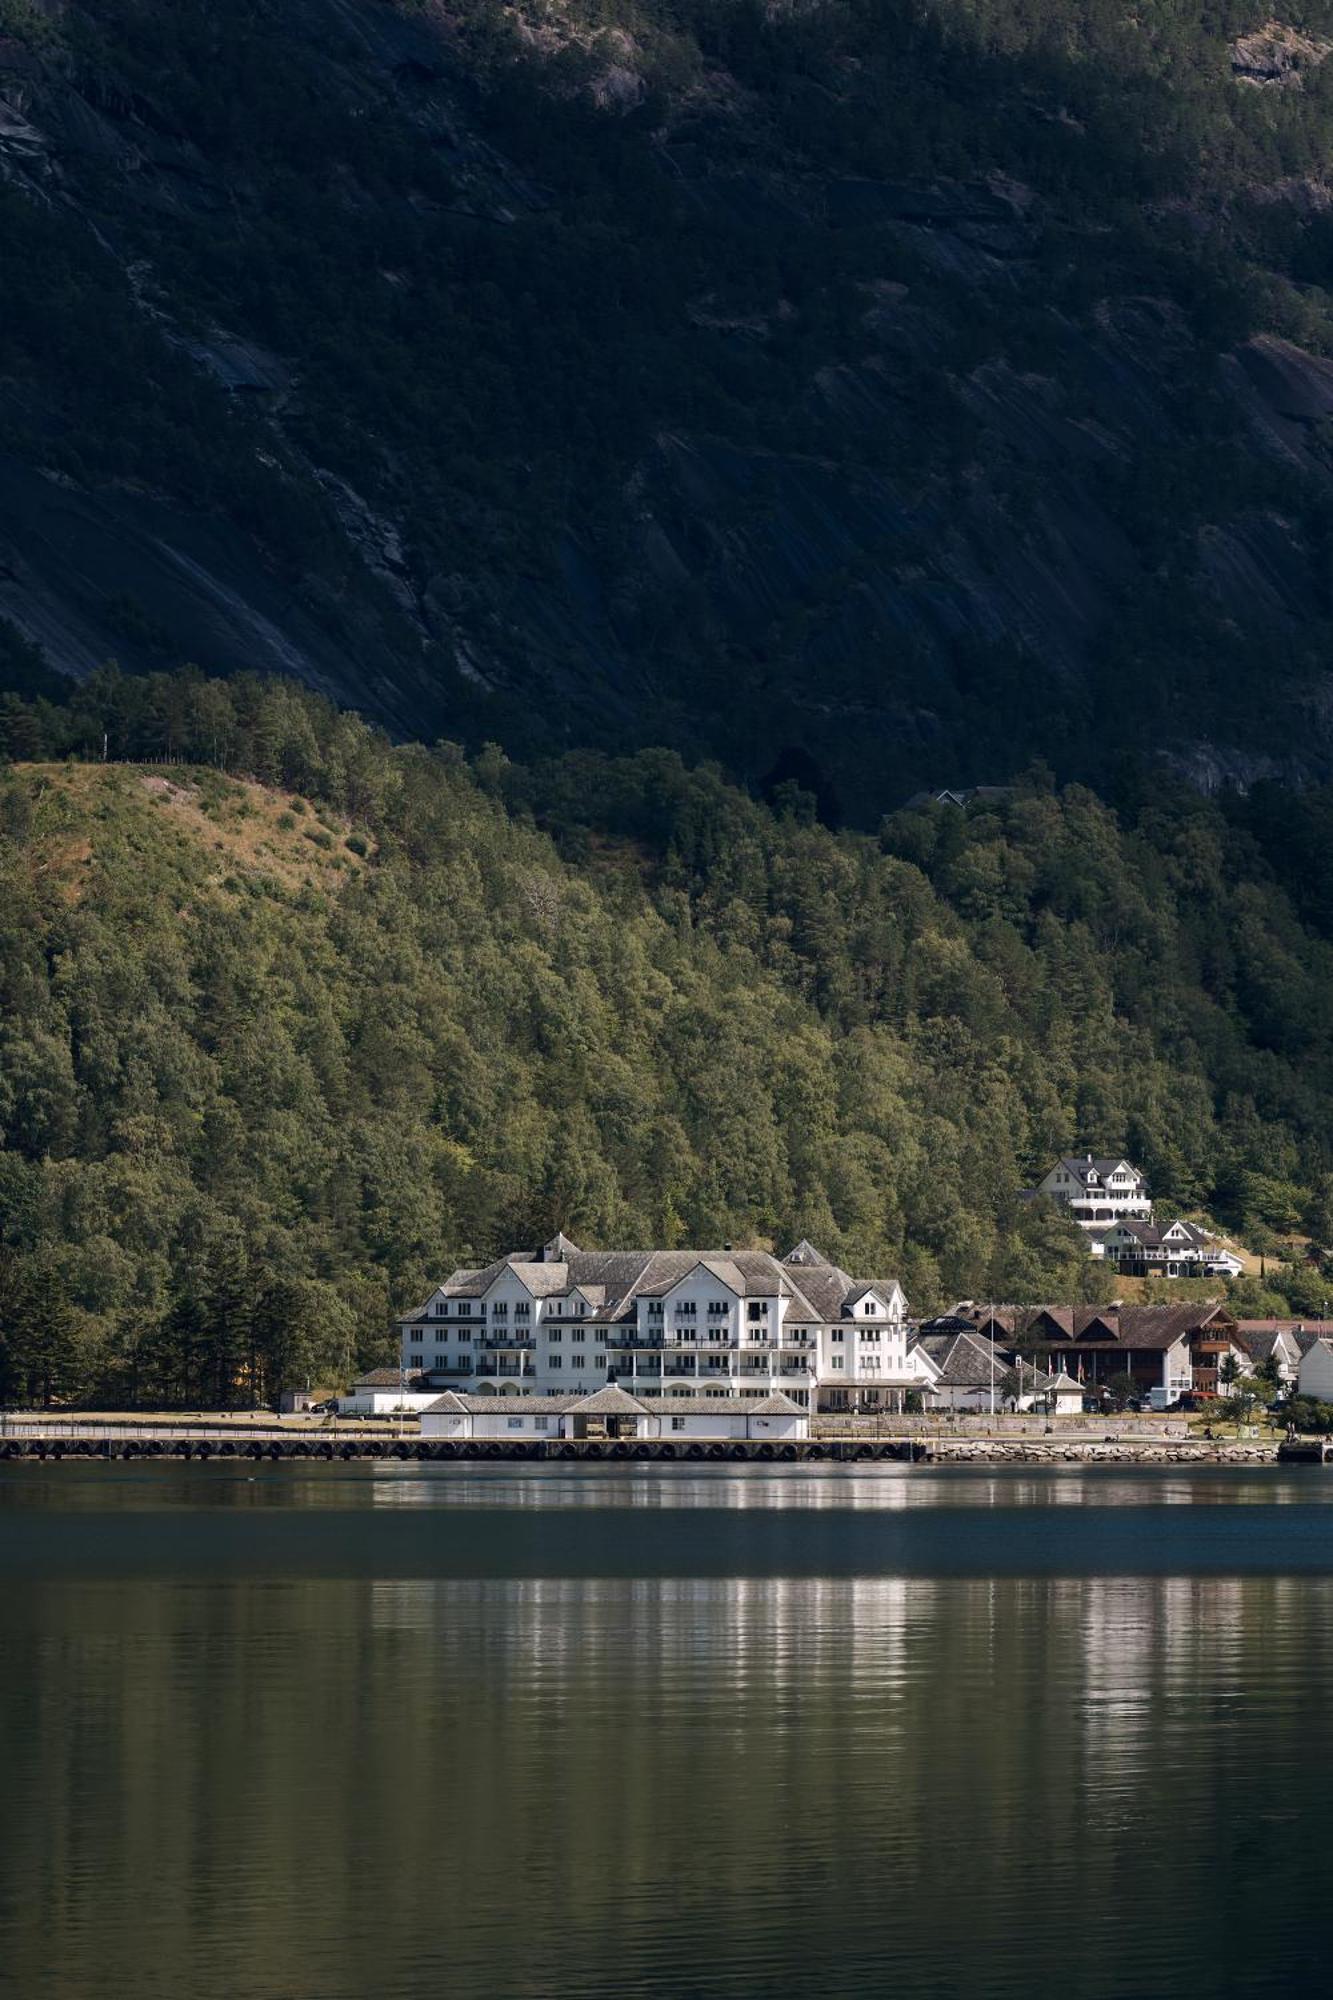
43, 1436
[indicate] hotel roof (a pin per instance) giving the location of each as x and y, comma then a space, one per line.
614, 1280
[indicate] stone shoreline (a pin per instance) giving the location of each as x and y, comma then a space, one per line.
1024, 1451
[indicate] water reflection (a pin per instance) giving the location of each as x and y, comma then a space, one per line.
636, 1775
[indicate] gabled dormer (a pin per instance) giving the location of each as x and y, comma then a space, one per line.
881, 1299
1052, 1323
579, 1302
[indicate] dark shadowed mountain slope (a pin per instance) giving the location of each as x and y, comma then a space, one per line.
867, 392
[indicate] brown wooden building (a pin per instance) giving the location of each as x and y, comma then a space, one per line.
1168, 1351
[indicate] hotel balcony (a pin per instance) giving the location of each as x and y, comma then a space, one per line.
513, 1343
1106, 1208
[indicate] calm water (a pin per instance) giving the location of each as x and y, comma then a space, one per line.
409, 1731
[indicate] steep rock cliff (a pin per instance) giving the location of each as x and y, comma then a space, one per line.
759, 381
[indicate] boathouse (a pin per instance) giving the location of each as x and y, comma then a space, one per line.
612, 1413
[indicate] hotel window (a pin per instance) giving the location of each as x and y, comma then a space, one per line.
837, 1333
513, 1423
556, 1361
678, 1423
501, 1312
599, 1360
522, 1311
554, 1333
837, 1361
756, 1312
578, 1360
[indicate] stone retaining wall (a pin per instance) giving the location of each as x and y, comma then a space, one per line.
1070, 1451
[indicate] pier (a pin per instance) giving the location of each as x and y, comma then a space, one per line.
200, 1441
276, 1447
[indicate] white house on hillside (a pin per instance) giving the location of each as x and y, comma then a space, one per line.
1096, 1192
1140, 1249
560, 1321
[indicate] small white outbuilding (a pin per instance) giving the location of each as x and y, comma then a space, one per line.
385, 1393
1062, 1395
612, 1413
458, 1415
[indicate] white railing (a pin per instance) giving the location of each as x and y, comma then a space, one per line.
17, 1425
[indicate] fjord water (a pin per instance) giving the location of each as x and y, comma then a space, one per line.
411, 1731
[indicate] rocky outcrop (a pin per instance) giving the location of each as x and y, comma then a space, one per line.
1286, 398
1277, 57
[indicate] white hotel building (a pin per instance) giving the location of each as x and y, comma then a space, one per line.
562, 1321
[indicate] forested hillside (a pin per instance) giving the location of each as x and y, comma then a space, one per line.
946, 376
294, 1022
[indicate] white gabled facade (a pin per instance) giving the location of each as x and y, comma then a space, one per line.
680, 1324
1180, 1250
863, 1355
1316, 1371
1096, 1192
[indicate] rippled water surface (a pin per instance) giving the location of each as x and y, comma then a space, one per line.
418, 1731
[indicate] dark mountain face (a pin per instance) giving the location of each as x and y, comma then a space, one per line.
943, 383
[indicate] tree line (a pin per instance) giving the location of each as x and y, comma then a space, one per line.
293, 1025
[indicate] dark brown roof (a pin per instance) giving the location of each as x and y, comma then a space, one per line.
1318, 1328
1123, 1326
